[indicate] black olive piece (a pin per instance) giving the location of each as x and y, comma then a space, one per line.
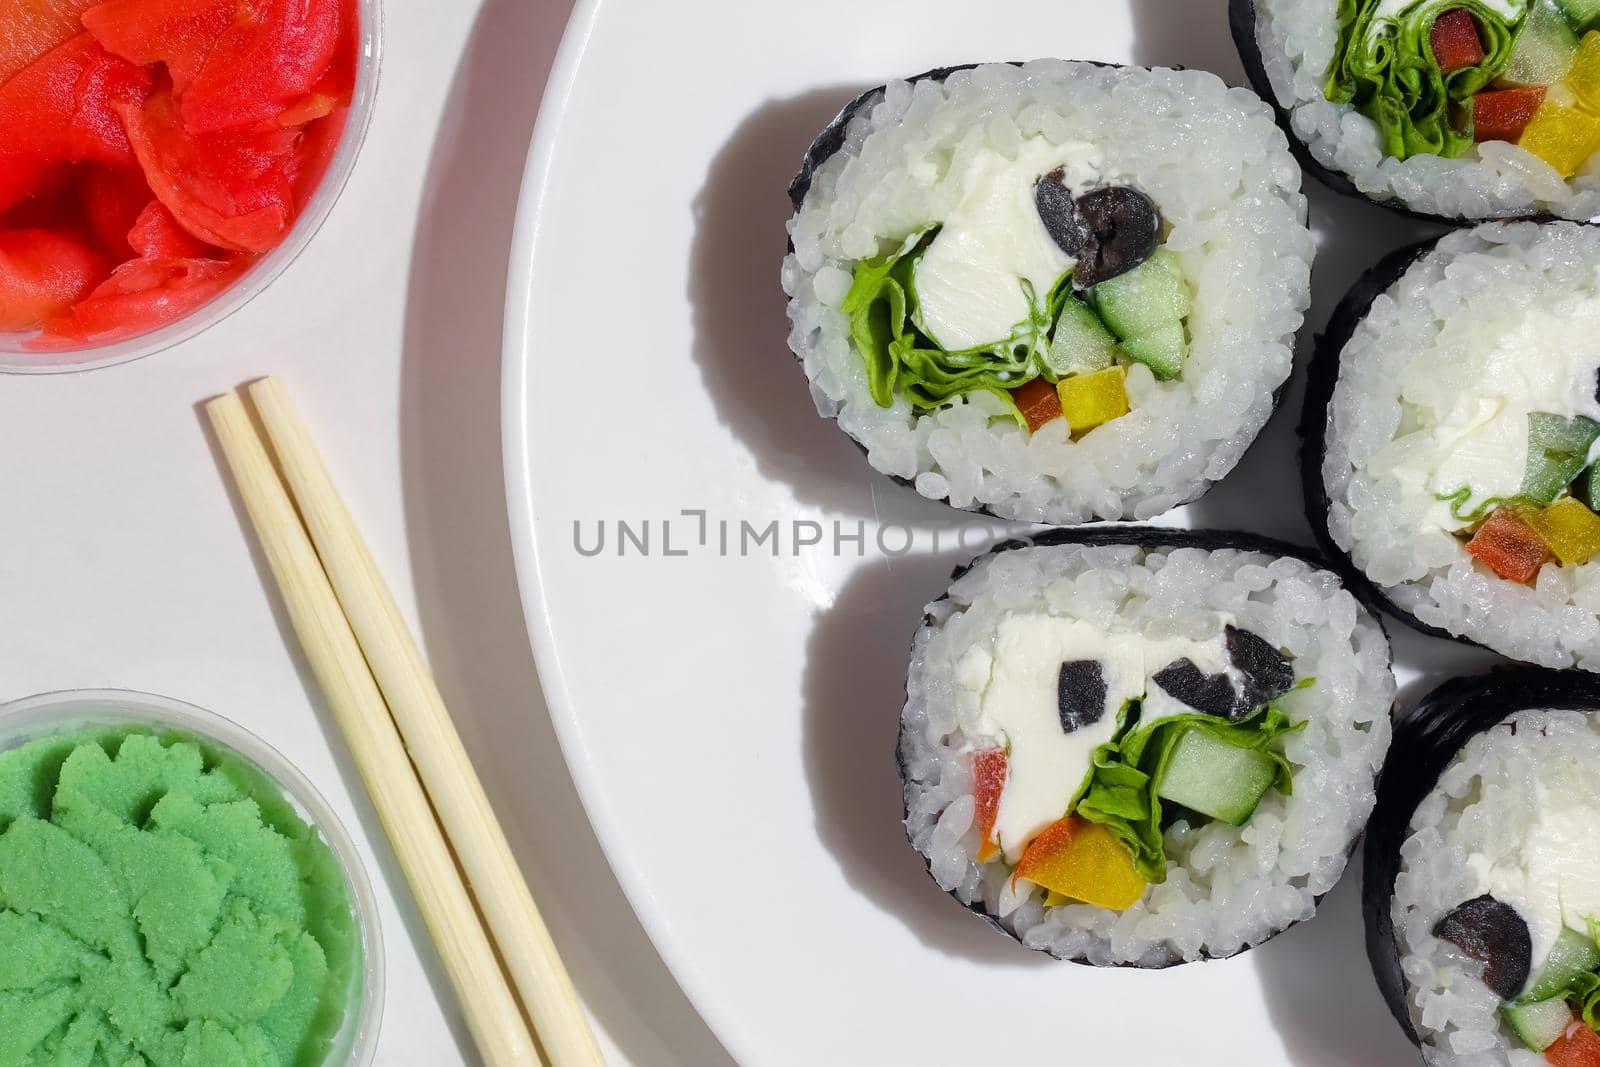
1124, 229
1059, 212
1490, 930
1081, 694
1211, 693
1266, 670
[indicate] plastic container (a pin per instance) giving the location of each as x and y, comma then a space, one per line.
49, 713
16, 359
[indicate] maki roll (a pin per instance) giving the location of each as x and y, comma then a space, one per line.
1457, 109
1451, 427
1482, 888
1142, 746
1054, 292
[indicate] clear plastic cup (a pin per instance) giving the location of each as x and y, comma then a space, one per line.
17, 359
23, 720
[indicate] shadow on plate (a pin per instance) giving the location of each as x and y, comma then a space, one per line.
1438, 659
473, 627
1320, 992
1263, 493
740, 328
854, 690
1191, 34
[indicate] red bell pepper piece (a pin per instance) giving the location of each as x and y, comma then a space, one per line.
155, 234
1509, 547
275, 53
30, 28
140, 295
42, 274
1454, 40
233, 190
1038, 401
178, 33
989, 780
60, 109
1578, 1047
1502, 114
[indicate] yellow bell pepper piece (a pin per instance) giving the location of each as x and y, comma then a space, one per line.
1584, 80
1564, 137
1080, 859
1087, 400
1570, 529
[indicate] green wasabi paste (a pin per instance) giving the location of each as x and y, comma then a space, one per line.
163, 905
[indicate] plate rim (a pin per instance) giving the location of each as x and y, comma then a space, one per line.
517, 378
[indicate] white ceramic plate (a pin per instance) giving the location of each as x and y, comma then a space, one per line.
730, 717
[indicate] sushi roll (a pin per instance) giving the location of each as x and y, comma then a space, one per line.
1451, 426
1053, 291
1450, 109
1482, 888
1141, 746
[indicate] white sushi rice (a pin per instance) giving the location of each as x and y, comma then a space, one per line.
1484, 800
1473, 283
1496, 179
1222, 176
1227, 887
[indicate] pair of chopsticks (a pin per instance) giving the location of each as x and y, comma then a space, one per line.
393, 718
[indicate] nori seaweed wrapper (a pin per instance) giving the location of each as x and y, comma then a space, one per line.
1147, 538
1426, 739
1321, 377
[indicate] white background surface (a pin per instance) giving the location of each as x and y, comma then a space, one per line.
123, 561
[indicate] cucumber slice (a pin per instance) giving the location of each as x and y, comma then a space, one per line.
1214, 778
1587, 488
1580, 14
1544, 49
1573, 954
1558, 448
1145, 308
1081, 343
1539, 1024
1149, 296
1161, 350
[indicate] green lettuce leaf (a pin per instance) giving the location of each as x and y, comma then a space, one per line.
885, 313
877, 305
1458, 505
1583, 993
1385, 67
1120, 790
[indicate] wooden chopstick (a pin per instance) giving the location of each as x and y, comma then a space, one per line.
430, 736
481, 987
